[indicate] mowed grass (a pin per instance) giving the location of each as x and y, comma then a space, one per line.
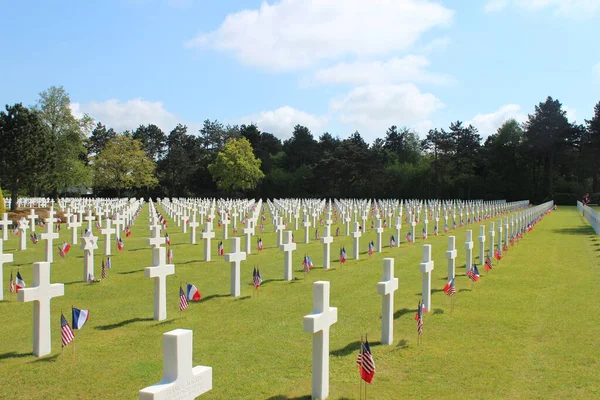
529, 329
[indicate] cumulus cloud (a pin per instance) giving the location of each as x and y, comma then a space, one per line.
569, 8
488, 124
294, 34
281, 122
123, 115
374, 108
397, 70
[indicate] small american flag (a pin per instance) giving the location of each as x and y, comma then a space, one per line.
183, 303
66, 331
366, 364
488, 263
419, 318
260, 244
11, 286
473, 273
103, 270
371, 248
108, 263
170, 256
256, 278
450, 289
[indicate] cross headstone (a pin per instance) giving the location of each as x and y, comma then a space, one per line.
506, 230
412, 227
451, 256
41, 293
327, 239
49, 236
426, 267
500, 234
107, 232
279, 227
356, 234
492, 233
235, 258
180, 380
88, 245
248, 232
306, 225
5, 224
379, 232
287, 247
469, 250
73, 225
318, 323
32, 217
159, 273
207, 235
481, 246
347, 220
4, 258
226, 223
398, 227
386, 289
89, 218
193, 226
23, 226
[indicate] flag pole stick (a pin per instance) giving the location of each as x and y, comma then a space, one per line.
366, 383
360, 370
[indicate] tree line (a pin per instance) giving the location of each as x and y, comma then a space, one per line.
47, 151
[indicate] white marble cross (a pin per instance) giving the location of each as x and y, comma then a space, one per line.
73, 224
481, 246
379, 232
451, 256
49, 236
279, 228
193, 226
88, 245
492, 233
318, 323
226, 223
4, 258
347, 220
500, 234
249, 231
306, 225
327, 239
426, 267
159, 273
180, 380
23, 226
386, 289
235, 258
89, 218
32, 217
107, 232
469, 250
207, 235
398, 227
184, 221
506, 229
356, 234
5, 224
287, 247
41, 293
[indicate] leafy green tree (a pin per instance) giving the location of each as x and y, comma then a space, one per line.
592, 148
2, 207
68, 167
24, 150
236, 168
124, 165
97, 141
153, 140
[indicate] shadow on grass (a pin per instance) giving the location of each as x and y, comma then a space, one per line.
402, 312
464, 290
437, 311
14, 354
402, 344
212, 296
73, 282
189, 262
122, 323
169, 321
242, 298
139, 249
47, 359
271, 280
582, 230
284, 397
432, 290
350, 348
131, 272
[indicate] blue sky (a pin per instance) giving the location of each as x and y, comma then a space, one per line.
332, 65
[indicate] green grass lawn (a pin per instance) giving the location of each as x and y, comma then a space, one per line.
529, 329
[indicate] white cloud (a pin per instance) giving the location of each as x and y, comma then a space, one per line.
569, 8
436, 44
374, 108
596, 70
495, 5
293, 34
571, 113
397, 70
488, 124
123, 115
423, 127
281, 122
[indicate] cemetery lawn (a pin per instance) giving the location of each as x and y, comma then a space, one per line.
529, 329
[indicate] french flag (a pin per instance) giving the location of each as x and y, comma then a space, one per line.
193, 293
20, 282
80, 317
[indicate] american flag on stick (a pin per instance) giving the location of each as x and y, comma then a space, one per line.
183, 303
66, 331
366, 364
